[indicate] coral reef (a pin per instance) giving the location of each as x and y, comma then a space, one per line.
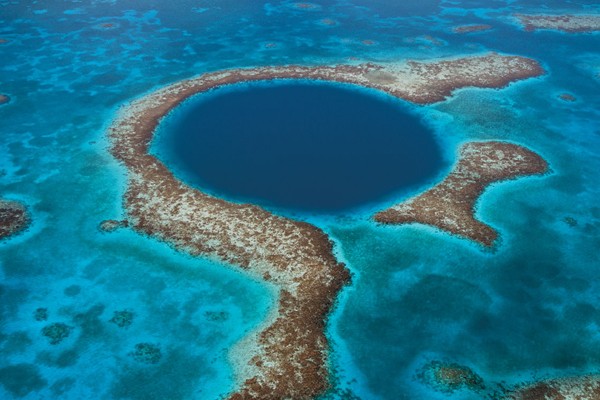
431, 40
572, 222
14, 218
564, 23
328, 21
56, 332
573, 388
305, 6
471, 28
122, 318
450, 204
111, 225
567, 97
146, 353
449, 377
40, 314
217, 316
287, 357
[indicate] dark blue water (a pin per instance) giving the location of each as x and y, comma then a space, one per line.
298, 146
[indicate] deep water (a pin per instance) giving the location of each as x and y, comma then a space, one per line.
528, 309
308, 147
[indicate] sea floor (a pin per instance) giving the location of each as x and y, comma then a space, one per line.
132, 318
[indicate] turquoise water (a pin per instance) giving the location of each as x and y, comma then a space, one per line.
321, 148
528, 309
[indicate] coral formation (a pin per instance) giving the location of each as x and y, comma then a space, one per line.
471, 28
111, 225
146, 353
567, 97
572, 222
56, 332
305, 6
328, 21
564, 23
287, 358
14, 218
449, 377
40, 314
574, 388
450, 204
217, 316
122, 318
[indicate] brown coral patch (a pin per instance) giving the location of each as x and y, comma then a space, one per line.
471, 28
305, 6
14, 218
449, 377
328, 21
571, 388
564, 23
450, 204
567, 97
111, 225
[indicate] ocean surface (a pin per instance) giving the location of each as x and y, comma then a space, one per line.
527, 309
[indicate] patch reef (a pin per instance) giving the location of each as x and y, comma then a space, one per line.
14, 218
574, 388
564, 23
471, 28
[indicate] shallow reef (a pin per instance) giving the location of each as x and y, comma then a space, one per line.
57, 332
567, 97
572, 222
111, 225
585, 387
450, 205
565, 23
40, 314
471, 28
122, 319
448, 377
217, 316
14, 218
146, 353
